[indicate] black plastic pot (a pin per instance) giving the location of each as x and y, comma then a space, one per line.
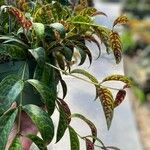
30, 96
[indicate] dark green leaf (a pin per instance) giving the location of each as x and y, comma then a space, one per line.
62, 125
74, 141
38, 141
82, 54
10, 88
14, 51
64, 87
6, 124
15, 145
67, 52
60, 61
38, 54
90, 124
47, 94
42, 120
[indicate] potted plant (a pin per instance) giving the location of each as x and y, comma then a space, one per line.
38, 41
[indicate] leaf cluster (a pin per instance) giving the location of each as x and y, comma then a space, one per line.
44, 36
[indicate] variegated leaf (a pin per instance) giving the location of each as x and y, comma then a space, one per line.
116, 46
121, 20
119, 78
89, 123
107, 102
119, 97
89, 144
84, 3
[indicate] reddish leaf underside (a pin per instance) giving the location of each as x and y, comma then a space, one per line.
89, 144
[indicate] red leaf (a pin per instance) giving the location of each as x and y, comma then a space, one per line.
89, 145
119, 97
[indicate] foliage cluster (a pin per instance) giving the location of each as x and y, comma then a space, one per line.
43, 37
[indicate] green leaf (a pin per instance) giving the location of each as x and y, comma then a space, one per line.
10, 88
60, 28
67, 52
86, 74
74, 141
14, 51
107, 102
6, 124
62, 125
118, 78
15, 145
38, 54
42, 121
39, 29
47, 94
38, 141
82, 54
90, 124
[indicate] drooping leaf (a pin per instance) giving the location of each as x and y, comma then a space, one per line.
10, 88
67, 52
119, 97
89, 144
82, 54
64, 87
116, 46
38, 141
99, 13
15, 145
14, 51
6, 124
42, 121
118, 78
64, 118
107, 102
103, 34
120, 20
38, 54
39, 29
74, 141
47, 94
89, 123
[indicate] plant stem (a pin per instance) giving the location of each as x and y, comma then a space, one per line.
96, 84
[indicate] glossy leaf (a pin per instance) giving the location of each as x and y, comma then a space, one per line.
63, 119
39, 29
38, 141
119, 97
89, 144
15, 145
107, 102
47, 94
121, 20
89, 123
38, 54
116, 46
10, 88
42, 121
121, 78
14, 51
6, 124
60, 28
74, 141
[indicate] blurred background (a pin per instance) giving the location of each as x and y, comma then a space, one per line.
136, 49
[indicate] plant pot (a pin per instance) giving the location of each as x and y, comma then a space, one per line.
30, 96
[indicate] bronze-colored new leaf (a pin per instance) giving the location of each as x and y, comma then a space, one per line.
116, 46
107, 102
89, 144
121, 20
119, 97
119, 78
